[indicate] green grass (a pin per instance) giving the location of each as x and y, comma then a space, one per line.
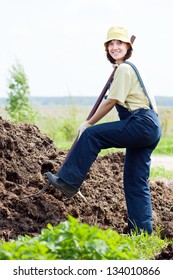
165, 146
61, 125
160, 173
147, 246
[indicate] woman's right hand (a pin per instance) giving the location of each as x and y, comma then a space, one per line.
82, 127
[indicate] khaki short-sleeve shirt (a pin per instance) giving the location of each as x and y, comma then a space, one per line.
126, 88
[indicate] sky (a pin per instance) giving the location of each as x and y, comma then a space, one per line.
60, 43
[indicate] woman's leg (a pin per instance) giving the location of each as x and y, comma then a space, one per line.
74, 170
137, 189
86, 150
119, 134
127, 133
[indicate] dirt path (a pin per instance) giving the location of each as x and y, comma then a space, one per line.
162, 161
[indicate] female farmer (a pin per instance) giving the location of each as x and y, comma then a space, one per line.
138, 130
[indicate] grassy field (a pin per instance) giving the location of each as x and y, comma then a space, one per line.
61, 124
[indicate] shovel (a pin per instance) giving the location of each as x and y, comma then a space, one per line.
92, 112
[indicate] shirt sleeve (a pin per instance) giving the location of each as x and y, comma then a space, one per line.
121, 84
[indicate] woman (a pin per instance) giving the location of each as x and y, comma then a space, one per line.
138, 130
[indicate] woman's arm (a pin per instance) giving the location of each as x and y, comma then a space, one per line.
102, 111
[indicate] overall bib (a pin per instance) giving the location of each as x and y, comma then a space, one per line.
139, 132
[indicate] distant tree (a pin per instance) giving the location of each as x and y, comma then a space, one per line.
19, 107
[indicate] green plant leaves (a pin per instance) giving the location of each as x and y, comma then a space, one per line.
71, 240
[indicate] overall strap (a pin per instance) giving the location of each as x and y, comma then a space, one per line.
141, 82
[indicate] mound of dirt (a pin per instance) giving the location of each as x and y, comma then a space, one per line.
26, 154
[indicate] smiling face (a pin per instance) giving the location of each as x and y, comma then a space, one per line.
117, 50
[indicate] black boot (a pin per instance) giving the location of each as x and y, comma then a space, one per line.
60, 185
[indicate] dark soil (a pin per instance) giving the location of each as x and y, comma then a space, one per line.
26, 154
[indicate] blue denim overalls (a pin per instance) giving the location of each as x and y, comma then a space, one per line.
139, 132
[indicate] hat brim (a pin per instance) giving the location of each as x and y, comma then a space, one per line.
120, 38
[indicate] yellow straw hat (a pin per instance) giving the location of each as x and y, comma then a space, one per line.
117, 33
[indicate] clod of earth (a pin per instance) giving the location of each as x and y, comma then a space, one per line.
26, 154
